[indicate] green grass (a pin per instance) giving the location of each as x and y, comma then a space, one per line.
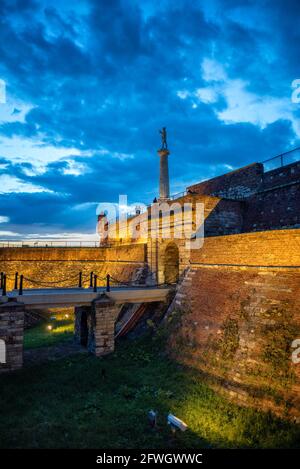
68, 403
41, 336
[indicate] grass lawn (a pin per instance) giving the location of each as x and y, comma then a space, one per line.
41, 336
72, 403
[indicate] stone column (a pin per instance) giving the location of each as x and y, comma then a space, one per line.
11, 335
164, 187
105, 315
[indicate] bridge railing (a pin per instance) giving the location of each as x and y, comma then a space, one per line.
48, 244
78, 280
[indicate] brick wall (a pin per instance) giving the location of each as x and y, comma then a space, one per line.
273, 208
11, 335
225, 218
280, 176
237, 322
265, 248
50, 264
237, 184
271, 199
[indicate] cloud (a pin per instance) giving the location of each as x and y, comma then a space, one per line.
4, 234
11, 184
74, 236
213, 71
85, 206
207, 95
242, 105
74, 168
4, 219
13, 111
99, 79
34, 151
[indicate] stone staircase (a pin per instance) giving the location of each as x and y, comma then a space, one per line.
180, 296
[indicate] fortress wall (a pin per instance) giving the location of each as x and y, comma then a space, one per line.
237, 328
281, 176
50, 264
270, 199
273, 208
265, 248
238, 322
238, 184
221, 217
225, 218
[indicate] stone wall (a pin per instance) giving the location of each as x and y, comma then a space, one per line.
264, 248
237, 184
273, 208
50, 264
282, 176
104, 314
221, 217
95, 326
271, 199
237, 312
245, 200
11, 334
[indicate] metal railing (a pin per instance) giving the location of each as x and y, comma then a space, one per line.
81, 280
48, 244
283, 159
178, 195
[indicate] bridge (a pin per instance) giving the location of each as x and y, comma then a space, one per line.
96, 310
42, 298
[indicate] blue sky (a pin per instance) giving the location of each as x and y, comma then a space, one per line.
89, 83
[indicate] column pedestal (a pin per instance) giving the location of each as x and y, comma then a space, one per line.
105, 313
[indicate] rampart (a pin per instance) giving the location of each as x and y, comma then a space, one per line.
240, 304
50, 264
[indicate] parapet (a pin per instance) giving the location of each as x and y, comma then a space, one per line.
238, 184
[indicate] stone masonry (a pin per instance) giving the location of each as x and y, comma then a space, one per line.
104, 314
99, 319
11, 333
239, 305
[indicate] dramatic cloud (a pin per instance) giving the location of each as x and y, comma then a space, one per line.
88, 84
11, 184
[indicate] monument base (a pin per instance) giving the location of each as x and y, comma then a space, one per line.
163, 152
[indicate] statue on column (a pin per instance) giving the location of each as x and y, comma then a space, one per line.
163, 133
